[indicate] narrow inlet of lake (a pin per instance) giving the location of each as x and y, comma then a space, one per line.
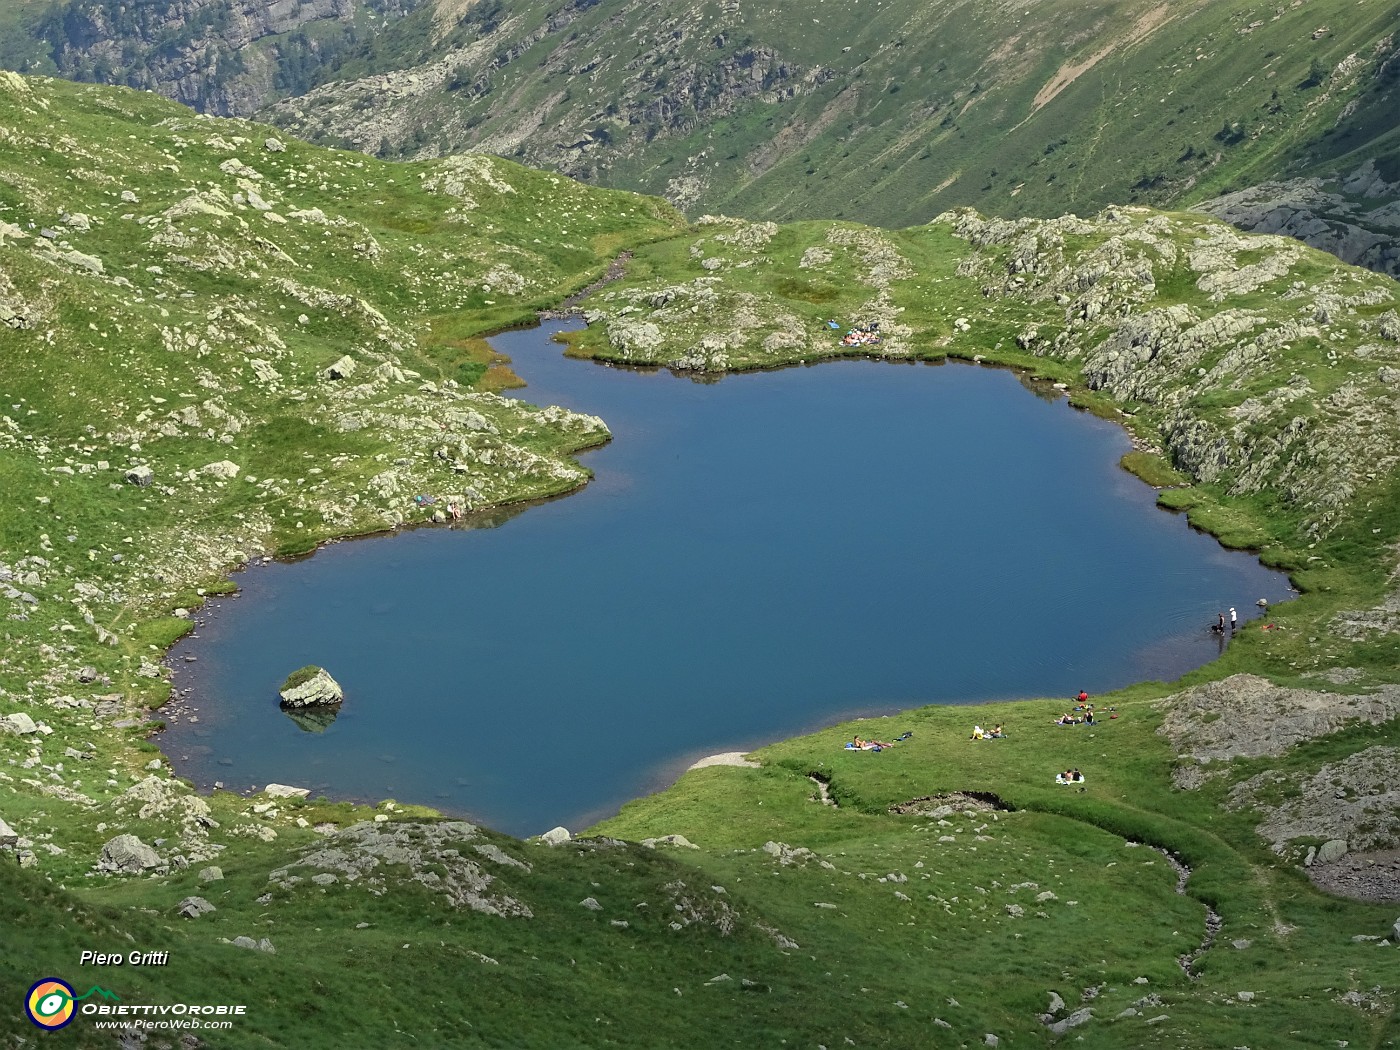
755, 558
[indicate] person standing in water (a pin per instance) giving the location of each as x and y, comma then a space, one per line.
1220, 622
1234, 619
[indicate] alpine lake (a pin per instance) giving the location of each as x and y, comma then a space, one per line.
755, 558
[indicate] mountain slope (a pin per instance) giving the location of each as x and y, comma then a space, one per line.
887, 113
893, 115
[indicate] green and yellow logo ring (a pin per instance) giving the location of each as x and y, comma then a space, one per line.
50, 1003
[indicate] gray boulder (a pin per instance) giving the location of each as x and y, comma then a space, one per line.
223, 470
263, 945
311, 686
1331, 851
142, 476
18, 724
10, 838
1074, 1020
681, 842
285, 791
342, 369
556, 836
127, 854
194, 907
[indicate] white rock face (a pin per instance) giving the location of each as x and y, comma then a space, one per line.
19, 723
320, 688
286, 791
556, 836
342, 369
222, 470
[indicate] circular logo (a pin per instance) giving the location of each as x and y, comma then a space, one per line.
50, 1003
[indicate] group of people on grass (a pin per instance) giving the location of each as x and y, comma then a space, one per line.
867, 334
1082, 714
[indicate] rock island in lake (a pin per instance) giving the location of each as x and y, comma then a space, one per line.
311, 686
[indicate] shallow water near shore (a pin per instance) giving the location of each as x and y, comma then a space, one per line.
755, 558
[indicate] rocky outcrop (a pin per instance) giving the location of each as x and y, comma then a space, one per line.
1097, 281
194, 907
379, 856
1245, 716
1370, 876
477, 95
18, 724
311, 687
1356, 216
1351, 805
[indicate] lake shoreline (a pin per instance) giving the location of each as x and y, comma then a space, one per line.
188, 676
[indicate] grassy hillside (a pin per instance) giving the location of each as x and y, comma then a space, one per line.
887, 113
220, 344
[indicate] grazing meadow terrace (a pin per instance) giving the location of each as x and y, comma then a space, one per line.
220, 344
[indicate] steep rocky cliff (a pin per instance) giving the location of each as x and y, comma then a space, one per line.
1356, 216
225, 58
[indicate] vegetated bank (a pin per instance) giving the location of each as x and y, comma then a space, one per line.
221, 344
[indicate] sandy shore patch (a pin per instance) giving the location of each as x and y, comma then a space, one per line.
729, 758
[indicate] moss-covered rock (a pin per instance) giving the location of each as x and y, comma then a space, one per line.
310, 686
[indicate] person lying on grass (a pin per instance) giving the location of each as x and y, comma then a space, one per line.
865, 745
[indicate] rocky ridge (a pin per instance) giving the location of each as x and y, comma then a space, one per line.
1355, 216
1112, 323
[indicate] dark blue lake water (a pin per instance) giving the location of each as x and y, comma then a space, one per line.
756, 557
